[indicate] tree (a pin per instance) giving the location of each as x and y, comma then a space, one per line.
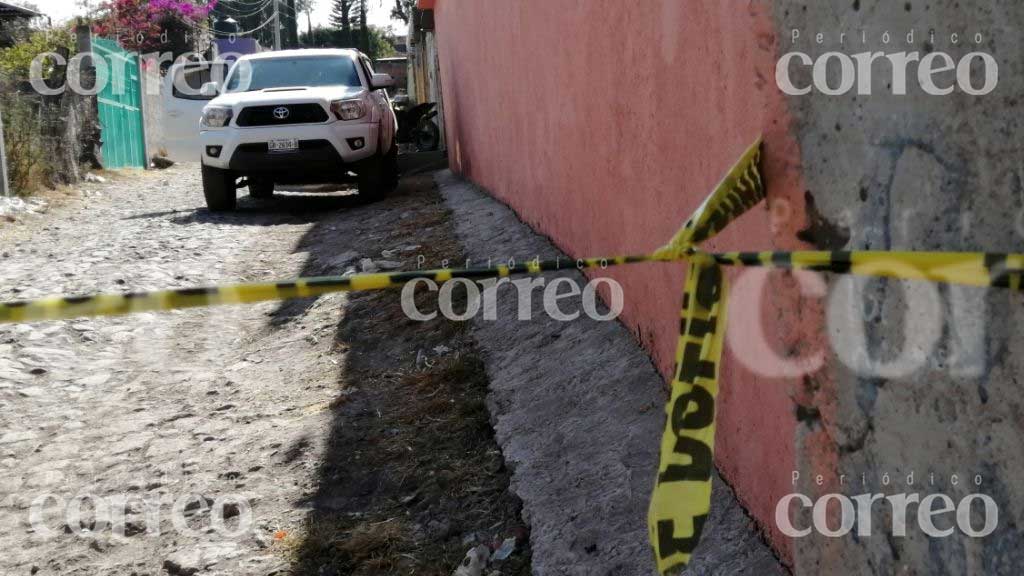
139, 24
16, 61
363, 39
341, 18
381, 42
306, 6
350, 17
402, 10
380, 45
290, 22
15, 30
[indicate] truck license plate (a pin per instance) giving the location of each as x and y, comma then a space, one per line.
283, 145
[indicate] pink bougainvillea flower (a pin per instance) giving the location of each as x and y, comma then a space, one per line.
138, 24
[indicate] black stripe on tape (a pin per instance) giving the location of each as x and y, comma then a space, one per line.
477, 273
329, 283
840, 262
77, 299
749, 258
998, 273
196, 291
782, 259
723, 259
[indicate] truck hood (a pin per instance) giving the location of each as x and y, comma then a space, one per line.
297, 95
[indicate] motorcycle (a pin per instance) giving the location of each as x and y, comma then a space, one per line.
416, 124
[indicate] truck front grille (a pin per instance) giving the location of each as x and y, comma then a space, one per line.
272, 115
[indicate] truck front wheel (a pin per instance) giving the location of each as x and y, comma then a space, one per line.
379, 176
219, 189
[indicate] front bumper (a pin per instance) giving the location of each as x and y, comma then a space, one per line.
323, 148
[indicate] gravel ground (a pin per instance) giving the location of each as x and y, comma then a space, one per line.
322, 437
193, 440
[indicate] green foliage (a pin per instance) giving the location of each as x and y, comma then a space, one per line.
350, 16
402, 10
381, 43
359, 15
15, 61
26, 169
380, 40
341, 14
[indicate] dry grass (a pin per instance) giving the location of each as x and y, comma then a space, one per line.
412, 467
357, 547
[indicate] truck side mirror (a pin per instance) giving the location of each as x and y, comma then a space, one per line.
379, 81
209, 89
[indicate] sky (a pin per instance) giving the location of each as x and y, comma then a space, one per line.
380, 11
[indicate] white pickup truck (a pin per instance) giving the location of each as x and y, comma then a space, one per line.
298, 117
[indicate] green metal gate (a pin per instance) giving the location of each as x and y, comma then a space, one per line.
120, 105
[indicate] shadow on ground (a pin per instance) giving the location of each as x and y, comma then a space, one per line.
295, 204
411, 476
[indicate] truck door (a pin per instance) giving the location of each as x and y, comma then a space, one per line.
183, 107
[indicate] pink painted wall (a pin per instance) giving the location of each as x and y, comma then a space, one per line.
604, 125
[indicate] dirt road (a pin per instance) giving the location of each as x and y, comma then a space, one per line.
326, 437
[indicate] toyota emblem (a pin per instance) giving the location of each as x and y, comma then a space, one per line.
281, 113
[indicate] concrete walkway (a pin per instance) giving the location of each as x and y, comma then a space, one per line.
578, 409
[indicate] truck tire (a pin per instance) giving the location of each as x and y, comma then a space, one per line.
379, 177
391, 167
219, 189
261, 188
427, 136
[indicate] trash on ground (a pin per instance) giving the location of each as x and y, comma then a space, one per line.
474, 562
505, 550
11, 205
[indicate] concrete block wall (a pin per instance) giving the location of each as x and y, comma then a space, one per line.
916, 172
154, 115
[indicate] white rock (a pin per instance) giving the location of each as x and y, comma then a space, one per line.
12, 437
388, 265
368, 266
94, 380
184, 563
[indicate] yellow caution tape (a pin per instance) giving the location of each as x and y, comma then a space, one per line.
740, 190
681, 500
970, 268
60, 308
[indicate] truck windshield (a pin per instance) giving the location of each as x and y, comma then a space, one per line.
260, 74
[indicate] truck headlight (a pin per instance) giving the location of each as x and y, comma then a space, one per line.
348, 109
216, 116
